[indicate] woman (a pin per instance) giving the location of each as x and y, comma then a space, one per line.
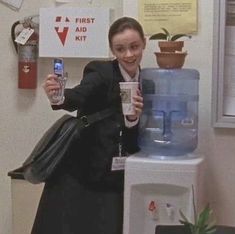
85, 195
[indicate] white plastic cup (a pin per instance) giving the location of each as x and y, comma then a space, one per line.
128, 90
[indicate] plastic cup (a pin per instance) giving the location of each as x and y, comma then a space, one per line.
128, 90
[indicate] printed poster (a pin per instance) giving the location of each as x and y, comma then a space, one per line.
177, 16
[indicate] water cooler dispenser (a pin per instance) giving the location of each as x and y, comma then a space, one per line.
159, 179
168, 126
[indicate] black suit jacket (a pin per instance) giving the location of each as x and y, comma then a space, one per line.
91, 156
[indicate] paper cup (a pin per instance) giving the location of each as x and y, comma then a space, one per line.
128, 90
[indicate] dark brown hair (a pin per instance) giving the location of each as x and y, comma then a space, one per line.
123, 23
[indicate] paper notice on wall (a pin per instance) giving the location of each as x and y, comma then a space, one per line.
177, 16
74, 32
14, 4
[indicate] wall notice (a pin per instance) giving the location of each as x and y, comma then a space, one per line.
74, 32
177, 16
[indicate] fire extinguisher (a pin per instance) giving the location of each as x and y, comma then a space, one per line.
26, 31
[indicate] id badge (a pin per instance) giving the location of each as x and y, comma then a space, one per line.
118, 163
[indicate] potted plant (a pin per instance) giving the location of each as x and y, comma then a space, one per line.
170, 55
168, 42
203, 223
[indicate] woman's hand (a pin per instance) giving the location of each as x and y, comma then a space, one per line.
138, 104
51, 85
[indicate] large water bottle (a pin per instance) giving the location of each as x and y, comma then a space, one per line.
169, 122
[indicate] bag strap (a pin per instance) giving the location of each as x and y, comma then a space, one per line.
86, 120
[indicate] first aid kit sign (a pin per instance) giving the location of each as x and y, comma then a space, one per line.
74, 32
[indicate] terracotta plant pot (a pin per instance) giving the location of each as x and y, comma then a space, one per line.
170, 60
170, 46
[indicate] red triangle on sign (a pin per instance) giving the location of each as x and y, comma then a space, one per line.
62, 35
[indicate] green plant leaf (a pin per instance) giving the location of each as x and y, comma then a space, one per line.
211, 232
204, 216
158, 36
185, 223
194, 206
212, 224
177, 36
202, 223
192, 228
211, 229
168, 35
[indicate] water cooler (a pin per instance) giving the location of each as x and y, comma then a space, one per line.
159, 179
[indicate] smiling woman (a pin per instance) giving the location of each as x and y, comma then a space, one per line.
127, 44
85, 194
128, 48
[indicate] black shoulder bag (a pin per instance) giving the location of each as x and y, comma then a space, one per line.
54, 144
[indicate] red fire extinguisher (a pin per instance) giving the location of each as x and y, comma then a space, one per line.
27, 51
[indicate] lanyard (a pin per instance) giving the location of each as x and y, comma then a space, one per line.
118, 162
120, 144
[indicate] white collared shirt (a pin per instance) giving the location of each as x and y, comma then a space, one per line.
127, 78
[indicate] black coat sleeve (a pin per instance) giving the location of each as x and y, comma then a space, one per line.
92, 88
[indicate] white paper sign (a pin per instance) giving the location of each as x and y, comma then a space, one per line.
24, 35
74, 32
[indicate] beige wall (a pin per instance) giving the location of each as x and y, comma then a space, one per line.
25, 114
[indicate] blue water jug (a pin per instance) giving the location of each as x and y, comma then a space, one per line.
169, 122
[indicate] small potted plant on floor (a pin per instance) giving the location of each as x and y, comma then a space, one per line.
203, 223
170, 55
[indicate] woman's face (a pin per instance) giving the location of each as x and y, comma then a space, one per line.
127, 47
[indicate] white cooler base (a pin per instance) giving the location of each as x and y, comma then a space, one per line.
155, 190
